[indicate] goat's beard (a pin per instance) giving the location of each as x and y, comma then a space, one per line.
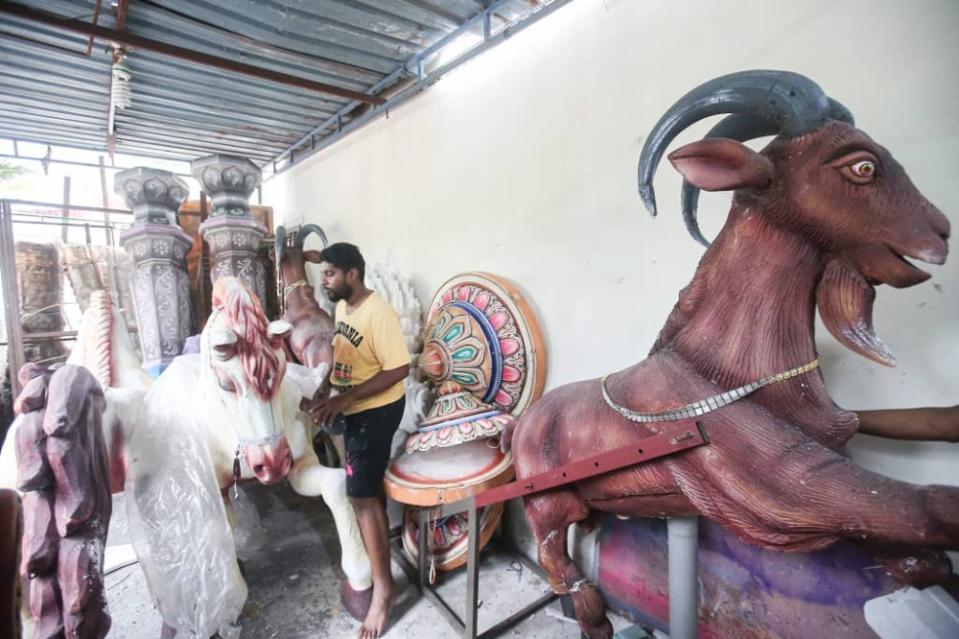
845, 298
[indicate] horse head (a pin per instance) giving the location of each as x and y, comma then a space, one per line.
243, 369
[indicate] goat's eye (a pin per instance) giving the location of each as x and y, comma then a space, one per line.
863, 169
859, 168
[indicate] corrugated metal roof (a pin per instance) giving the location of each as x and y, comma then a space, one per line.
52, 92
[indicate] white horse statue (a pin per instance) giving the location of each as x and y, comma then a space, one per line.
228, 413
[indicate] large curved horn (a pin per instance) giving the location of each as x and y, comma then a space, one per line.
740, 127
792, 102
305, 230
279, 243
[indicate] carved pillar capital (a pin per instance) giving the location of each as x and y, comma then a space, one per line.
154, 195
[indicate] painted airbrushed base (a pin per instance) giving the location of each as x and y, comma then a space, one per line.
176, 447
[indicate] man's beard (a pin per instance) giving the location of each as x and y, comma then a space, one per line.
344, 293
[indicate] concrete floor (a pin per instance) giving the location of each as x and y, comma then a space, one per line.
294, 582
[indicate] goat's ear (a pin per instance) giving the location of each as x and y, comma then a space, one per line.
719, 164
312, 256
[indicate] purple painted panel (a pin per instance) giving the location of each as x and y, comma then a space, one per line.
745, 591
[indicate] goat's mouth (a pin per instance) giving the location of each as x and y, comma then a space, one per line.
918, 271
887, 265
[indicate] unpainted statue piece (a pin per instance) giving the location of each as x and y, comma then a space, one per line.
63, 472
818, 218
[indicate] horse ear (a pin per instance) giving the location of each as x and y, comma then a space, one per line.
719, 164
312, 256
278, 328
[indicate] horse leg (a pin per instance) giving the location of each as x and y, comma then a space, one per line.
311, 479
551, 514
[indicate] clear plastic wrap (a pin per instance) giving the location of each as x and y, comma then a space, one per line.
249, 535
178, 522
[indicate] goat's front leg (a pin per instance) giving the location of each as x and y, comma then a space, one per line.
311, 479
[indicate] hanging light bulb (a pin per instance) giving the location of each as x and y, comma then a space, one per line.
120, 87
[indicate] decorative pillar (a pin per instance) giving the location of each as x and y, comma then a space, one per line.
232, 233
161, 288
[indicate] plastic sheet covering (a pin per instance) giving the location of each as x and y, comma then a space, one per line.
91, 267
249, 535
178, 522
305, 380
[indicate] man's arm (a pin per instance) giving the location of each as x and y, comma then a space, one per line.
324, 411
926, 424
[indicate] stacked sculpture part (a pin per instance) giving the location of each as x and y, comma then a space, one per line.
818, 218
62, 471
161, 286
233, 234
483, 353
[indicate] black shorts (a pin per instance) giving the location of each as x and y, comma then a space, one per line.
368, 437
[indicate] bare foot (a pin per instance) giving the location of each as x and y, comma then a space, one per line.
379, 612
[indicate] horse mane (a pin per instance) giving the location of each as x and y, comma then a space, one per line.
242, 310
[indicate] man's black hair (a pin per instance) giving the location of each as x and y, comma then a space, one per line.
344, 256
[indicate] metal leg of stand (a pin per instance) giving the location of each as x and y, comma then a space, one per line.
423, 560
472, 572
683, 542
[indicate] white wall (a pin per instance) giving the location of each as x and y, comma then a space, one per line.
523, 162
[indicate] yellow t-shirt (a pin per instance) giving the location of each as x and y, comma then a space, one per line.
367, 341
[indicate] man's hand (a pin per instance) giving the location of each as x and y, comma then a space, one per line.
323, 410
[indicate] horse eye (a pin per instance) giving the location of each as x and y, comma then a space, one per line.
224, 352
227, 386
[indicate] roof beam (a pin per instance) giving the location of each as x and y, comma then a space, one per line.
131, 40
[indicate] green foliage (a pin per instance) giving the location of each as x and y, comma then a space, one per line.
9, 171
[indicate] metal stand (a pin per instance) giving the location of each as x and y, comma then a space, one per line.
683, 544
673, 441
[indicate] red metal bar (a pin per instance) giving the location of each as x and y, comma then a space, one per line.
128, 39
96, 17
673, 441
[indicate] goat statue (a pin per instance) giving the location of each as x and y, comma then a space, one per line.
818, 218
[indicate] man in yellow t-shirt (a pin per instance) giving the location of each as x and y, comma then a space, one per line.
370, 363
